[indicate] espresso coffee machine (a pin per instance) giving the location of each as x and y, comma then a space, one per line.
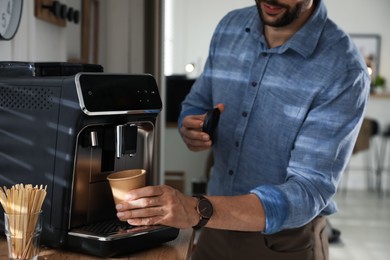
68, 130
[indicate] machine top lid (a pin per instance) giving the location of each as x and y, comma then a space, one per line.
45, 69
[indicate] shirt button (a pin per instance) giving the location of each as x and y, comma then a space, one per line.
237, 144
247, 29
231, 172
254, 83
264, 54
244, 114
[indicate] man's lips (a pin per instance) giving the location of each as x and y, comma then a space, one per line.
272, 9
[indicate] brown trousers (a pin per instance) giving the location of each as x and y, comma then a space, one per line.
309, 242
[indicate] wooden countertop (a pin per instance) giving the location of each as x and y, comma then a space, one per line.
178, 249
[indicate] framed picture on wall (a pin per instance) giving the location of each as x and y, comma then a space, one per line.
369, 46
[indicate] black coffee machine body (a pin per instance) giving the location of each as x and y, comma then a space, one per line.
69, 132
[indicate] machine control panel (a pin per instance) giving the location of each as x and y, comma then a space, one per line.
101, 93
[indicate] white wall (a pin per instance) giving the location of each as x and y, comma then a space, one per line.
40, 41
121, 38
37, 40
193, 23
365, 17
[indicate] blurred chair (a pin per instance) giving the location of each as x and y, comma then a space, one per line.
383, 159
366, 142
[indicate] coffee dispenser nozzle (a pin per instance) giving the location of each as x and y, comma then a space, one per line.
126, 140
94, 139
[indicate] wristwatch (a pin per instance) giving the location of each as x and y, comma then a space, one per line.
204, 209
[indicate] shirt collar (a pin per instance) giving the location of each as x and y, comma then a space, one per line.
304, 41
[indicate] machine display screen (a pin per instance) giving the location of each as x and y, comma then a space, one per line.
100, 92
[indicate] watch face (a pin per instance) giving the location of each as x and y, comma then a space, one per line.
205, 208
10, 13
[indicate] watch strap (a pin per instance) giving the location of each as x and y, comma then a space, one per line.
202, 222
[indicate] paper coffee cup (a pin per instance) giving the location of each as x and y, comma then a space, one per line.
123, 181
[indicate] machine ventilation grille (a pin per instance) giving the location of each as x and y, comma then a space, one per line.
26, 98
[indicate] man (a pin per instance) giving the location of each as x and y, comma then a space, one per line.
293, 89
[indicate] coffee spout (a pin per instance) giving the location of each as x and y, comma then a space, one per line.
126, 140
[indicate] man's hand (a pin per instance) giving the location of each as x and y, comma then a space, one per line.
191, 132
158, 205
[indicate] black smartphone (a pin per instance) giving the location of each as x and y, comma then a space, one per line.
211, 122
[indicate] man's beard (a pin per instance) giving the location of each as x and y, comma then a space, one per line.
291, 14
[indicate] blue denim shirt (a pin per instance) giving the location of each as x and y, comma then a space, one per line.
292, 114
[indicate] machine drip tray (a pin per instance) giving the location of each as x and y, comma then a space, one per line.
115, 238
111, 230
